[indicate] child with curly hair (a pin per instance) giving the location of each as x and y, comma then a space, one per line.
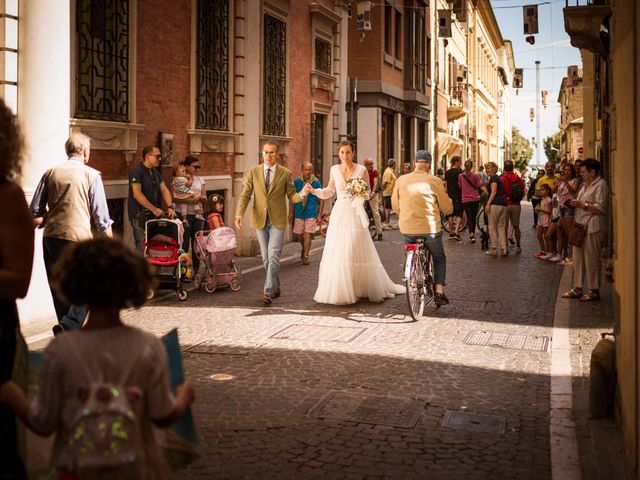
107, 276
213, 211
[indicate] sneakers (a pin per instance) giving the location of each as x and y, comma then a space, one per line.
556, 258
440, 299
546, 256
472, 239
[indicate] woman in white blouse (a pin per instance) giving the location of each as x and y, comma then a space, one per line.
591, 204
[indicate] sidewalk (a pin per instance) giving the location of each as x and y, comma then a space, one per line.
599, 441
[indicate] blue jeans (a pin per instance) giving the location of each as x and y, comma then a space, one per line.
70, 316
433, 242
271, 239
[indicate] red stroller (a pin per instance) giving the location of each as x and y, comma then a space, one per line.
216, 249
161, 246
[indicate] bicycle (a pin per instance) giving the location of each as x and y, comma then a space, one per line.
444, 220
419, 278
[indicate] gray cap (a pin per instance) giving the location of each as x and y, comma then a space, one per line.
423, 156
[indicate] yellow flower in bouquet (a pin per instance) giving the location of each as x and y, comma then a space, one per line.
358, 188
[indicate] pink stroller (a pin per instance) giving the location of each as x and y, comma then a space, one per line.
216, 249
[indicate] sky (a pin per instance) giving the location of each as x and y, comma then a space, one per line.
555, 53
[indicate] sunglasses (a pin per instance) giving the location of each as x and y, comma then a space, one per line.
269, 154
197, 167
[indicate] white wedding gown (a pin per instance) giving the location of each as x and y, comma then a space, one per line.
350, 268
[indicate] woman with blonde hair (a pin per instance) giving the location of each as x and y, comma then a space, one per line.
496, 209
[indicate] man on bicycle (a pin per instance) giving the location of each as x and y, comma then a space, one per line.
419, 198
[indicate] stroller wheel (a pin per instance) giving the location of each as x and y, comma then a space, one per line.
234, 285
182, 295
150, 294
210, 287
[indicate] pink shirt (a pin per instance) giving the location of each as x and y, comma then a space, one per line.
545, 218
470, 192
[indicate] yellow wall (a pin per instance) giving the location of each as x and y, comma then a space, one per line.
625, 46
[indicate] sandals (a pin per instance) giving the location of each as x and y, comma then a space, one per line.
590, 296
573, 293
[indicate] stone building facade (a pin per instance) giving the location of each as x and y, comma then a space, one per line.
570, 98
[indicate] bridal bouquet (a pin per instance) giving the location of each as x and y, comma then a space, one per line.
358, 191
358, 188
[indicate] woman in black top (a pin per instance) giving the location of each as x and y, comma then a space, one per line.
496, 209
16, 257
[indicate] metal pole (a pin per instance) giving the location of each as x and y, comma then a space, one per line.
538, 112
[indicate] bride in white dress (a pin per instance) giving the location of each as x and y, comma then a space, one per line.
350, 268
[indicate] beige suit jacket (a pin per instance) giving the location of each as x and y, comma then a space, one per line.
272, 204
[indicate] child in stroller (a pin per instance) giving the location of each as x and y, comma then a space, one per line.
216, 249
161, 246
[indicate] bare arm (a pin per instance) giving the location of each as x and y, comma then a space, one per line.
16, 243
184, 397
139, 197
12, 396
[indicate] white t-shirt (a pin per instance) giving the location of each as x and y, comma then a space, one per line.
196, 185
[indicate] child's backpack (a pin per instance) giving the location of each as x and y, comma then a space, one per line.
517, 193
105, 440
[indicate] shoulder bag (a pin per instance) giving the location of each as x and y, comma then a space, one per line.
579, 233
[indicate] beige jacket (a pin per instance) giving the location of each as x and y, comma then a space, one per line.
418, 198
272, 203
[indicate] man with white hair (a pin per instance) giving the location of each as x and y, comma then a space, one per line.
68, 198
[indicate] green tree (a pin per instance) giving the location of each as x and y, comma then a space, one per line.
521, 151
552, 146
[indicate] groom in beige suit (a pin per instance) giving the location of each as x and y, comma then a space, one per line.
270, 184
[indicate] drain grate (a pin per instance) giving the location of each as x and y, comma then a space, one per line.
474, 422
319, 333
511, 341
210, 347
371, 409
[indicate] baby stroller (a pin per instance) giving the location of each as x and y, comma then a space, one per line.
161, 246
216, 249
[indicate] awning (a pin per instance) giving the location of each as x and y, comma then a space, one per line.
448, 145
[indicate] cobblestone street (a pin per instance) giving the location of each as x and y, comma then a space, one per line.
363, 391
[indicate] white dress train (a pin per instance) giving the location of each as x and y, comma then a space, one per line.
350, 268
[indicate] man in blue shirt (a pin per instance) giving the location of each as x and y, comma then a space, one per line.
307, 213
60, 206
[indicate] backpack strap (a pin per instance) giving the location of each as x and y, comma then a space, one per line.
74, 351
90, 376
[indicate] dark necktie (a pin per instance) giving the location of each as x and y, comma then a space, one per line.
267, 179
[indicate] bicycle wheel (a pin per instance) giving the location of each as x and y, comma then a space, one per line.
444, 220
429, 281
414, 280
481, 219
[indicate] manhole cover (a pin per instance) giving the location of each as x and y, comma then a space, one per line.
474, 422
373, 409
319, 333
507, 340
210, 347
